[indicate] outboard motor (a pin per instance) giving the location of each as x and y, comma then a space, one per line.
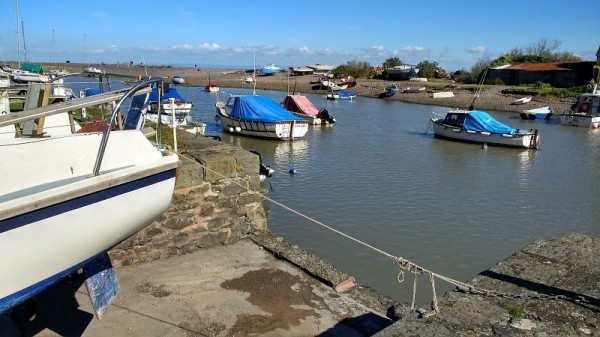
326, 116
264, 171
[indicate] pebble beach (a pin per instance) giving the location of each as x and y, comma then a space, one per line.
490, 97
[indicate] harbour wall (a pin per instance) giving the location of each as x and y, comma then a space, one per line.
213, 204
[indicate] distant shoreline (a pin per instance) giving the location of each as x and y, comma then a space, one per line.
490, 98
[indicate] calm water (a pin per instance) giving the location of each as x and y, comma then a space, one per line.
454, 208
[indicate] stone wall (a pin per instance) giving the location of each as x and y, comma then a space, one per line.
213, 204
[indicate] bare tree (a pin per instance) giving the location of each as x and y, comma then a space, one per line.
515, 51
543, 46
480, 65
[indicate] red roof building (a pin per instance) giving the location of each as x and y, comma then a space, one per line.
557, 74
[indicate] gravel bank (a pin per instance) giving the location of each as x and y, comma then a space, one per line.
490, 98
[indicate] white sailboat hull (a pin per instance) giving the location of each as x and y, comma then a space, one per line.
56, 215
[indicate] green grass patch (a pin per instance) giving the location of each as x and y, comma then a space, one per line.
516, 311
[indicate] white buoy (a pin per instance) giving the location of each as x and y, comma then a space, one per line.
484, 146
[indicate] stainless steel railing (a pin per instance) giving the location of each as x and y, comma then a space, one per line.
113, 117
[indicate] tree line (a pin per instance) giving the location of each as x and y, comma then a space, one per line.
542, 51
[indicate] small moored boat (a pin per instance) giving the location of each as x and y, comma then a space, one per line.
210, 87
301, 106
341, 95
171, 103
177, 80
442, 94
537, 113
585, 112
389, 91
522, 100
270, 69
479, 127
259, 116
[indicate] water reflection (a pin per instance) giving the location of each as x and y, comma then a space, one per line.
526, 159
274, 153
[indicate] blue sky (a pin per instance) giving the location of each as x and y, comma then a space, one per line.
455, 34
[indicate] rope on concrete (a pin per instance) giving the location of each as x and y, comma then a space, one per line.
405, 265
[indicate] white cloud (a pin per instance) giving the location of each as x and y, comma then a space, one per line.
378, 49
305, 51
413, 49
209, 46
182, 47
477, 50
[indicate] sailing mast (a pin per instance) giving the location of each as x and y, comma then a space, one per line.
254, 76
24, 48
18, 36
53, 50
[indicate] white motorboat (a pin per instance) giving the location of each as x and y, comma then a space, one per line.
174, 108
91, 71
270, 69
404, 71
544, 112
65, 200
177, 80
331, 85
585, 112
479, 127
259, 116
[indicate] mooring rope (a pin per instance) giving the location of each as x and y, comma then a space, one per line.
404, 264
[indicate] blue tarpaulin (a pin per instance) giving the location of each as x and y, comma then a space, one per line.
171, 94
91, 92
260, 109
482, 121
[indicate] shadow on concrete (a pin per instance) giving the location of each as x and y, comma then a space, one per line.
52, 310
360, 326
577, 298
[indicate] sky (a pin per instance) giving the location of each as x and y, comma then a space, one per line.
228, 33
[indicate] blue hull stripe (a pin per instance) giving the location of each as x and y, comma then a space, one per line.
10, 301
85, 200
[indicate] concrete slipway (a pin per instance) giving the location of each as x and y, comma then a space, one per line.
255, 288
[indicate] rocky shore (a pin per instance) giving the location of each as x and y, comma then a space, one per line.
490, 97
